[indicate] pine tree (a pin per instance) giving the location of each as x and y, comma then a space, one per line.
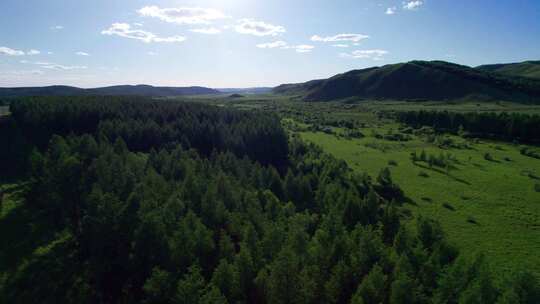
190, 288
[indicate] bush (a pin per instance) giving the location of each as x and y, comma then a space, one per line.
392, 163
537, 187
488, 157
530, 153
423, 174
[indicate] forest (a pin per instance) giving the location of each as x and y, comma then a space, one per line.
505, 126
152, 201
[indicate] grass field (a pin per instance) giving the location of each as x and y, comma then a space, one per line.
488, 206
485, 206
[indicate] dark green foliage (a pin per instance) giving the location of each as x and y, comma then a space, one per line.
386, 186
145, 124
169, 223
505, 126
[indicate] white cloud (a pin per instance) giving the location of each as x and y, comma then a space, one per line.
272, 45
10, 52
208, 31
258, 28
152, 53
124, 30
412, 5
183, 15
59, 67
340, 45
391, 10
365, 54
54, 66
50, 53
33, 52
303, 48
82, 54
340, 37
57, 27
21, 72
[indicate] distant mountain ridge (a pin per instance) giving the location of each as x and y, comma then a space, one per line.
139, 90
417, 80
255, 90
529, 69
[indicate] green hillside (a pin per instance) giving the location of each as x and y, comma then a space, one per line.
529, 69
417, 80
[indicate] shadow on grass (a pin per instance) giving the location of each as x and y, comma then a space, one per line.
408, 200
479, 166
457, 179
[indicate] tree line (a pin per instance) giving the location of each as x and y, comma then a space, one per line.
504, 126
175, 223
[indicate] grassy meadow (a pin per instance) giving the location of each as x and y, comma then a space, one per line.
487, 199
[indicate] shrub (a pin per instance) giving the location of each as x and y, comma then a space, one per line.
537, 187
392, 163
423, 174
487, 156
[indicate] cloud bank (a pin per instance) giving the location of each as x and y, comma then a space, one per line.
182, 15
10, 52
366, 54
125, 30
258, 28
340, 38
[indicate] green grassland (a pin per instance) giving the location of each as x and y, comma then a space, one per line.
488, 206
485, 206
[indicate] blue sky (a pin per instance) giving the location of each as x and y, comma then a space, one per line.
244, 43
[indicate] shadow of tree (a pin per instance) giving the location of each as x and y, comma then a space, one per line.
457, 179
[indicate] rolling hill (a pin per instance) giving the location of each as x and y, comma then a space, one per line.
139, 90
529, 69
256, 90
417, 80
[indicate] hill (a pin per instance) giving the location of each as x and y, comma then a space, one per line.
417, 80
257, 90
139, 90
529, 69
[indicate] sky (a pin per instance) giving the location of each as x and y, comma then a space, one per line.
249, 43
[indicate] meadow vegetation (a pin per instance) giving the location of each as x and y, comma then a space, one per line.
481, 191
